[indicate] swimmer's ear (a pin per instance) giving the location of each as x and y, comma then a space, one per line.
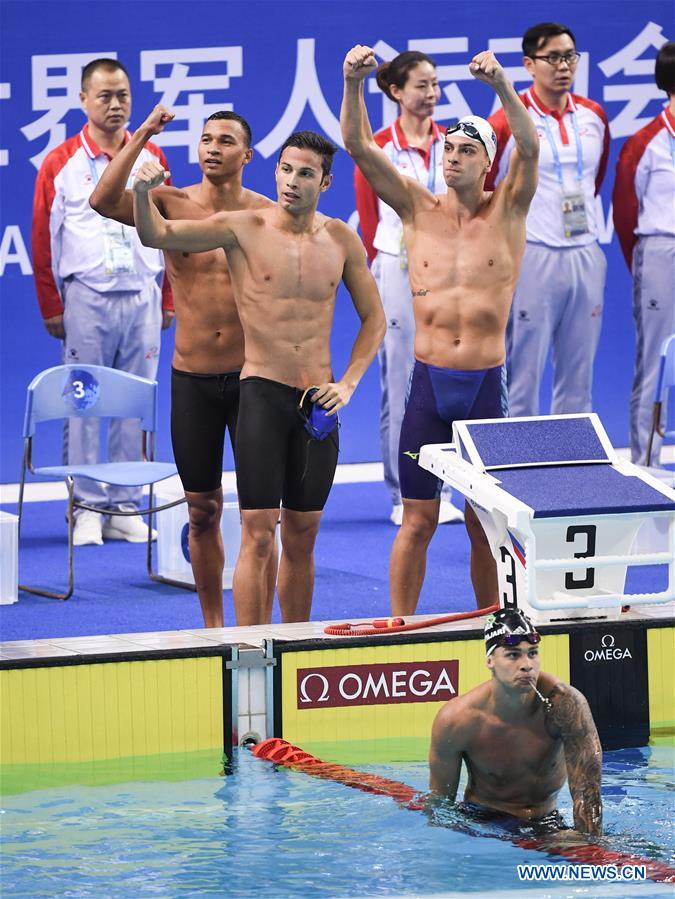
248, 155
326, 183
490, 662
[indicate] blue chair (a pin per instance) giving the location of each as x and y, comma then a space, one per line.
79, 391
663, 416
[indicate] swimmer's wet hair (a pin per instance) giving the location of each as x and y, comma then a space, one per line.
228, 115
397, 70
538, 36
310, 140
664, 73
108, 65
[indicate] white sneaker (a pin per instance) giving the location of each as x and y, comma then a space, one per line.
87, 529
131, 528
447, 513
396, 516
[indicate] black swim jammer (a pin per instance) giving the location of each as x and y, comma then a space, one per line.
547, 824
202, 406
277, 460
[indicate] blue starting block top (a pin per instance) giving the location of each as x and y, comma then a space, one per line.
559, 466
564, 490
545, 441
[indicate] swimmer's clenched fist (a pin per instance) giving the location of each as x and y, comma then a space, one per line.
158, 118
486, 67
149, 176
359, 63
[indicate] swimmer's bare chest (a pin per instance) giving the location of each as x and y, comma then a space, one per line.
194, 272
510, 762
287, 276
478, 257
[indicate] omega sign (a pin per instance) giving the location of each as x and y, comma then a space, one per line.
354, 685
608, 652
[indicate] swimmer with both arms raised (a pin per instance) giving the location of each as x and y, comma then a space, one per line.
521, 735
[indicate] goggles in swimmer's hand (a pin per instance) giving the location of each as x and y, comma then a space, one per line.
315, 418
469, 130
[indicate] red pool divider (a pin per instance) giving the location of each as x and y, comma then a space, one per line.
284, 753
396, 625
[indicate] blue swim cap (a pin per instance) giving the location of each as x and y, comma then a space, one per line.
318, 423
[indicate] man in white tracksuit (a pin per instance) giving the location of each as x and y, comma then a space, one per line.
98, 288
560, 293
644, 219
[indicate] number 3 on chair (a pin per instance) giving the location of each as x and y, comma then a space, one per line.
587, 530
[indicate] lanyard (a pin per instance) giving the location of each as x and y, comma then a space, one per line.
92, 169
107, 223
431, 178
557, 165
94, 173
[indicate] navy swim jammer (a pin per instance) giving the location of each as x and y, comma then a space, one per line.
436, 398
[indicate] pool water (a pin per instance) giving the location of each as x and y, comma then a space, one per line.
276, 832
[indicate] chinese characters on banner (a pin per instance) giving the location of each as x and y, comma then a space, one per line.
194, 83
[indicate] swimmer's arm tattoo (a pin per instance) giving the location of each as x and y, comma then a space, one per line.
569, 718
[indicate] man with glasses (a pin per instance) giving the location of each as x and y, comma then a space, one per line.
560, 293
521, 734
464, 249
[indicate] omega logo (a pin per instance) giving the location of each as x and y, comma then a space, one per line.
609, 652
376, 684
324, 688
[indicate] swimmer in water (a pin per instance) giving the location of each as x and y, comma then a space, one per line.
521, 735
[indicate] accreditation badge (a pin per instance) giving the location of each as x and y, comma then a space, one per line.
403, 255
575, 222
118, 254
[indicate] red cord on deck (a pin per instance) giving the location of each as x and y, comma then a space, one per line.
283, 753
396, 625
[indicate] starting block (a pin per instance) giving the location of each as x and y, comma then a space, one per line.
560, 511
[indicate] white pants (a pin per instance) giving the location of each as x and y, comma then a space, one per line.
654, 314
559, 299
396, 357
119, 330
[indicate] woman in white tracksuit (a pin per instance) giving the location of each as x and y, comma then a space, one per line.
414, 143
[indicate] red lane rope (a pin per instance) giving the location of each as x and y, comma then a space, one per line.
283, 753
395, 625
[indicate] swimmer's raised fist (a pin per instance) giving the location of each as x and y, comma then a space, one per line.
158, 118
485, 67
150, 175
359, 63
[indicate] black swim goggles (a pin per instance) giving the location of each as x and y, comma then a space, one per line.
515, 639
468, 129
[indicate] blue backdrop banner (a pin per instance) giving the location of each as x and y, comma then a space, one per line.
280, 65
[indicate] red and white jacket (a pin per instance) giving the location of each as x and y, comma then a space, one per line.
381, 227
67, 234
644, 189
545, 220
